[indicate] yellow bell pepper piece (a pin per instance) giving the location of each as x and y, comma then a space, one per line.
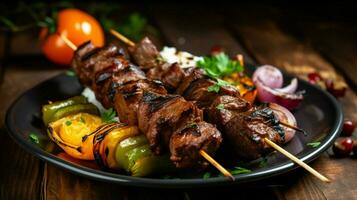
69, 131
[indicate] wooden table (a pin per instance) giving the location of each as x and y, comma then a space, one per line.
279, 36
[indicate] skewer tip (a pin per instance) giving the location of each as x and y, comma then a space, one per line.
297, 161
217, 165
122, 37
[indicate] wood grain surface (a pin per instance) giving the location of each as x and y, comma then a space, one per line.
262, 37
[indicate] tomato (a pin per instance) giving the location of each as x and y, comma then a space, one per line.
78, 27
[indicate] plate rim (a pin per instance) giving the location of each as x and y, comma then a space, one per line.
173, 183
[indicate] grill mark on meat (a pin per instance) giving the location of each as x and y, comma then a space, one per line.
157, 101
90, 54
112, 91
268, 114
102, 77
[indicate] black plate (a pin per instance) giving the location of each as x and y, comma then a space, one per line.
319, 114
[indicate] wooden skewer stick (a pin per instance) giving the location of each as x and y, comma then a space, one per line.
67, 41
297, 161
216, 165
202, 152
122, 38
293, 127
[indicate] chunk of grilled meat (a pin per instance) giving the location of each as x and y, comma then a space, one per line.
128, 97
224, 108
171, 75
163, 118
248, 129
186, 143
145, 53
195, 87
106, 81
89, 60
170, 120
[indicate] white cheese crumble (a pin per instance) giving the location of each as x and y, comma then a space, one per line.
183, 58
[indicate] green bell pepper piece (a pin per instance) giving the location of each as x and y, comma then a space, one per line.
74, 109
49, 110
126, 145
137, 153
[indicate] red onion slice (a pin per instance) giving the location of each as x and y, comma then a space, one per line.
284, 115
291, 88
269, 75
267, 94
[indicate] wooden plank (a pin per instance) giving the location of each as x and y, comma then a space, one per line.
20, 172
60, 184
271, 45
335, 41
195, 30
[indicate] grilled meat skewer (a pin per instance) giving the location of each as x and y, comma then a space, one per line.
170, 122
243, 126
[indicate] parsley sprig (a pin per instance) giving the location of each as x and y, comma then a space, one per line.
220, 106
240, 170
219, 65
313, 144
109, 116
34, 138
217, 86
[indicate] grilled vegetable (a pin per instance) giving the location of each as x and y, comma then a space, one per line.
125, 148
49, 110
74, 109
69, 131
244, 84
114, 145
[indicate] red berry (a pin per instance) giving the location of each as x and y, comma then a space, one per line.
314, 77
337, 90
348, 128
216, 50
343, 147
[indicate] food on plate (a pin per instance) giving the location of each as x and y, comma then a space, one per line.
168, 113
269, 81
119, 83
86, 136
77, 26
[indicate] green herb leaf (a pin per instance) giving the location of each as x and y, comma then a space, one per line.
34, 138
192, 125
240, 170
216, 87
220, 106
68, 123
313, 144
213, 88
219, 65
108, 116
263, 163
70, 73
206, 175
